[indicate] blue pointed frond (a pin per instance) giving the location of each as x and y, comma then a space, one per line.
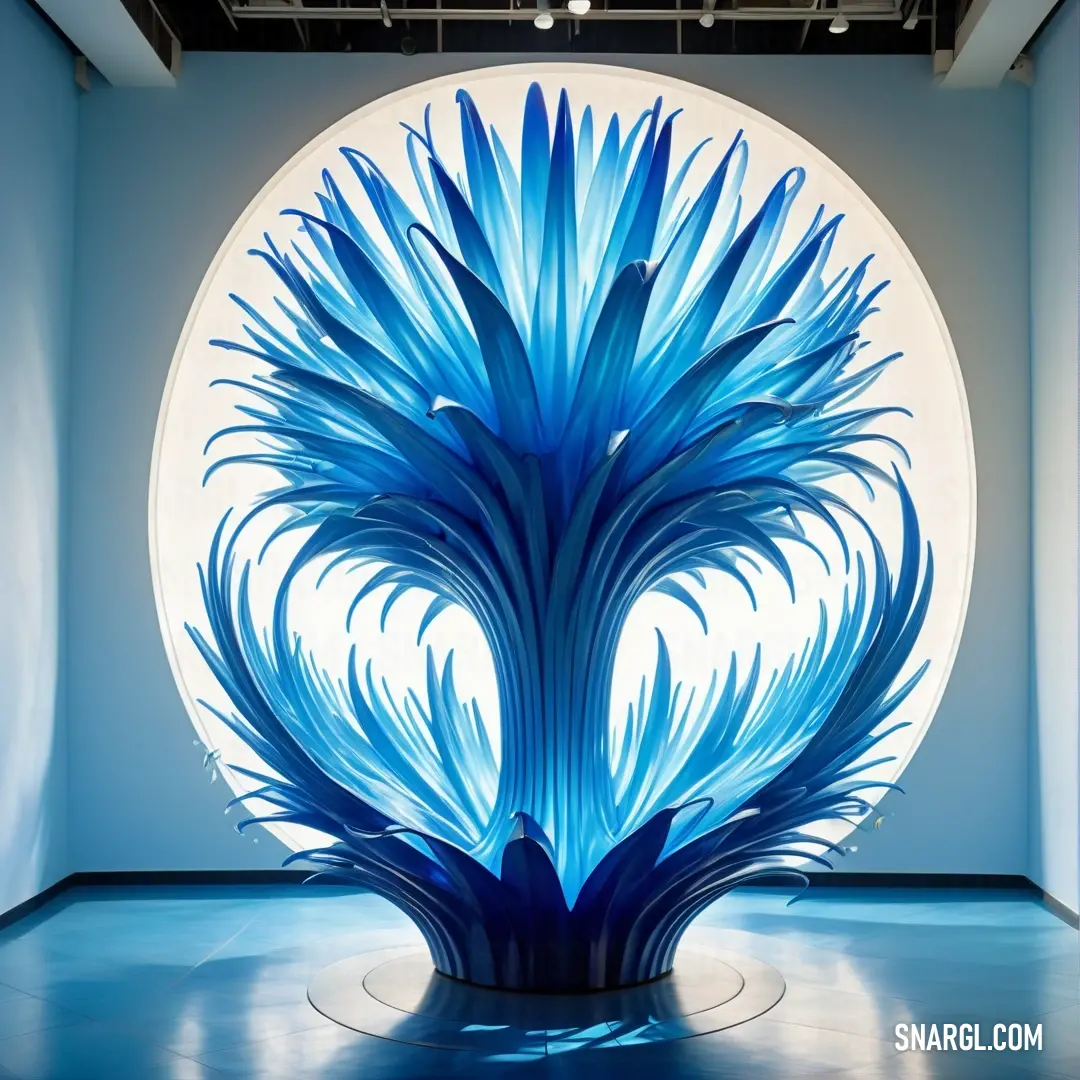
538, 391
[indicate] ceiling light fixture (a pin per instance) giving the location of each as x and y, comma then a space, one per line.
544, 19
578, 7
839, 25
385, 11
911, 19
707, 16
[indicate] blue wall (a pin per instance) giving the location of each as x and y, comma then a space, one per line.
1055, 355
38, 127
163, 176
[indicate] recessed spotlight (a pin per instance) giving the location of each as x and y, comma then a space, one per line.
839, 25
578, 7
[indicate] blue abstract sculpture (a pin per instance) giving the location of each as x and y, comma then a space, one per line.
537, 400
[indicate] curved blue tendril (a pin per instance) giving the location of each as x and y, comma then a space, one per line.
541, 391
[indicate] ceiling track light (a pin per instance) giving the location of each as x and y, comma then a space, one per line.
911, 14
839, 25
385, 11
544, 19
707, 17
578, 7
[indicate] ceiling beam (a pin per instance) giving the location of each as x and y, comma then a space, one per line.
104, 32
991, 37
870, 11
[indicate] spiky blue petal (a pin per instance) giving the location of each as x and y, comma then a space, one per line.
548, 387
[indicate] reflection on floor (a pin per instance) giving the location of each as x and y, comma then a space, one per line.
197, 983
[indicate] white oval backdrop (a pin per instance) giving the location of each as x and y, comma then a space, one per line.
926, 380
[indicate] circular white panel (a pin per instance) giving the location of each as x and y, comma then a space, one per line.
925, 381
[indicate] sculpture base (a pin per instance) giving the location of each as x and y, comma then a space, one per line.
396, 994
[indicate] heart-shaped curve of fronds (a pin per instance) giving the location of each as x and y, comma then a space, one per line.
538, 391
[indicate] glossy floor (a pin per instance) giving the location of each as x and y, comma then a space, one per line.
198, 983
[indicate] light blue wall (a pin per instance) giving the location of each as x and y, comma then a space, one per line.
38, 129
1055, 338
163, 176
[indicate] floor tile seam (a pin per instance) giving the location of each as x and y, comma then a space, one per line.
1042, 1074
805, 1027
871, 931
1027, 1008
895, 1055
325, 1022
800, 981
132, 1032
856, 1073
869, 950
793, 980
157, 1046
77, 1016
42, 1030
823, 1027
115, 1027
935, 984
1051, 926
213, 952
1054, 1012
1015, 1058
62, 954
50, 1001
827, 1072
895, 919
270, 1038
801, 944
747, 949
183, 1057
924, 959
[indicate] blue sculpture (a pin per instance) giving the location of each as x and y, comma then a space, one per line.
538, 400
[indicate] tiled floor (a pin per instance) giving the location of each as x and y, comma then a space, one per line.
198, 983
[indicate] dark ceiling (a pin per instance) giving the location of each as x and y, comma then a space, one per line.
205, 25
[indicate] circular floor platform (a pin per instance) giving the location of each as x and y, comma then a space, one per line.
395, 994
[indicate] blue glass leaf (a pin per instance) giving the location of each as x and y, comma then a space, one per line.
537, 392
